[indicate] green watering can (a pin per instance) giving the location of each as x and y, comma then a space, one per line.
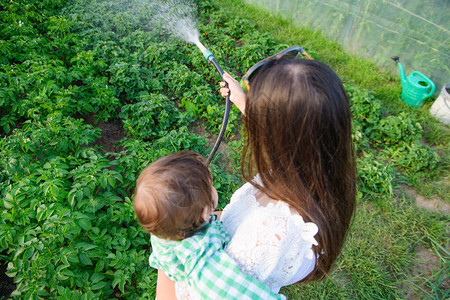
416, 87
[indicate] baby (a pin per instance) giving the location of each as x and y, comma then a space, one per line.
174, 201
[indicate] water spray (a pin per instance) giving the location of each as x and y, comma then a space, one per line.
212, 60
178, 17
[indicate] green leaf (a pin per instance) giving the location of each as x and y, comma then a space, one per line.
116, 281
18, 251
79, 196
87, 192
103, 182
28, 254
99, 266
210, 110
11, 271
72, 199
6, 128
73, 258
190, 107
86, 246
96, 277
61, 276
68, 273
112, 181
7, 201
8, 197
85, 260
99, 285
85, 224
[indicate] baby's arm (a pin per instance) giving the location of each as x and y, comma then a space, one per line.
165, 288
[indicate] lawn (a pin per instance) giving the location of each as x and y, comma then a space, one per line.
93, 91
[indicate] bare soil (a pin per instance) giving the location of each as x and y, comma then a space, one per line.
112, 132
7, 285
435, 204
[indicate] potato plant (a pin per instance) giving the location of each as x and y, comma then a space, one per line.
67, 229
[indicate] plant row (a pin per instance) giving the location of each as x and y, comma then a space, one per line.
68, 229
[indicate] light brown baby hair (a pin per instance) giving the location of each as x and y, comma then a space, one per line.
172, 193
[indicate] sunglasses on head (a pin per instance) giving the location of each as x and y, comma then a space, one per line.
294, 51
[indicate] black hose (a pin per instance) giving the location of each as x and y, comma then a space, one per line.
223, 127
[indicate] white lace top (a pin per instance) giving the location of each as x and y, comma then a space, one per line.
270, 243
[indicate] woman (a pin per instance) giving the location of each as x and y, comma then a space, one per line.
288, 223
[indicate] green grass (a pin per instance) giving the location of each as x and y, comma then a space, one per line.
381, 257
380, 253
76, 70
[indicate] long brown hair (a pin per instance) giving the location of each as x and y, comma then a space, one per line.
298, 138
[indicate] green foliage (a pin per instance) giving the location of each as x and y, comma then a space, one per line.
225, 182
415, 160
152, 117
398, 137
65, 216
68, 228
376, 179
366, 109
394, 129
138, 154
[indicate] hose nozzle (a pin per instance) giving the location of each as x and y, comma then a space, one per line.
206, 53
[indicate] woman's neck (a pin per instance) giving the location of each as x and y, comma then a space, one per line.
263, 199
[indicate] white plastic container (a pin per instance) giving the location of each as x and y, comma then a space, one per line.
441, 107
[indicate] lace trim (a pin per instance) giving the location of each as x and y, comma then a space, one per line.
268, 242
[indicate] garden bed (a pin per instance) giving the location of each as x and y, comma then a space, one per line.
90, 95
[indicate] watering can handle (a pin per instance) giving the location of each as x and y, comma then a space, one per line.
433, 87
428, 80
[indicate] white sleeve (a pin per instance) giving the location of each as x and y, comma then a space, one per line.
274, 246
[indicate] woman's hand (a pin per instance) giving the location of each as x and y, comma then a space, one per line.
234, 90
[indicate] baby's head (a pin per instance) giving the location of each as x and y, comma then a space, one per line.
174, 195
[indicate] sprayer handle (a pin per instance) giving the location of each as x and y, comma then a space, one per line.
214, 62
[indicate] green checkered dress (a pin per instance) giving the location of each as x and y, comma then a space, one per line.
202, 261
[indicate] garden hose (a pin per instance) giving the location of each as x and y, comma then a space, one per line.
210, 58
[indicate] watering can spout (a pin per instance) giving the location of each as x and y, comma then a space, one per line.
401, 69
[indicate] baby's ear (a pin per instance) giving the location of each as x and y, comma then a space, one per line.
206, 214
